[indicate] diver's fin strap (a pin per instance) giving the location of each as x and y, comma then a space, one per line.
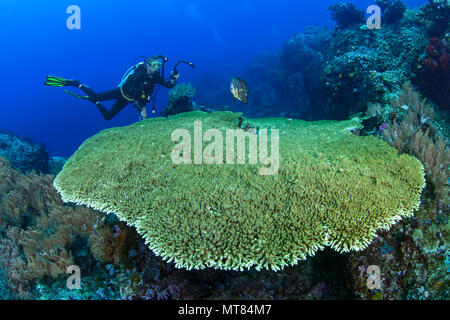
77, 95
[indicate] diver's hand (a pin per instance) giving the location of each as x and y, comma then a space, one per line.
175, 75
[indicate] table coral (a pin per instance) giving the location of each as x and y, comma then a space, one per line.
332, 189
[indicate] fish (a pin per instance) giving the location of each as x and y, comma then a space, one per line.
239, 90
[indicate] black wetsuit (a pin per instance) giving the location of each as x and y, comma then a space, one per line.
138, 87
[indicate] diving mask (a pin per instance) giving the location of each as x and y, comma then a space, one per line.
155, 64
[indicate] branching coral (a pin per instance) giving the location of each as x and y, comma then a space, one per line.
415, 133
346, 14
333, 189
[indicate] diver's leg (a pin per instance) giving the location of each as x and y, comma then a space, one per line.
113, 94
117, 107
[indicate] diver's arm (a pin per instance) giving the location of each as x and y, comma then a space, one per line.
171, 82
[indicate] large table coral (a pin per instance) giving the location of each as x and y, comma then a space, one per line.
332, 188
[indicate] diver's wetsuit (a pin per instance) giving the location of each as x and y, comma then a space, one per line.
137, 87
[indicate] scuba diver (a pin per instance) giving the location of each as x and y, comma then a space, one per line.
137, 86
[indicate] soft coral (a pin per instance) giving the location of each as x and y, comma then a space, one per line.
433, 75
437, 57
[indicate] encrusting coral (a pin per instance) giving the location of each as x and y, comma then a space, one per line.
333, 189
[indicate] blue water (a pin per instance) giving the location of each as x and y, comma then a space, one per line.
219, 37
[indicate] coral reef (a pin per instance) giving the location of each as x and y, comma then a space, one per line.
179, 99
265, 81
311, 279
112, 245
366, 66
355, 194
437, 56
416, 133
392, 10
41, 236
23, 154
37, 229
318, 74
346, 14
288, 83
301, 60
412, 255
332, 189
285, 83
411, 17
436, 15
432, 73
